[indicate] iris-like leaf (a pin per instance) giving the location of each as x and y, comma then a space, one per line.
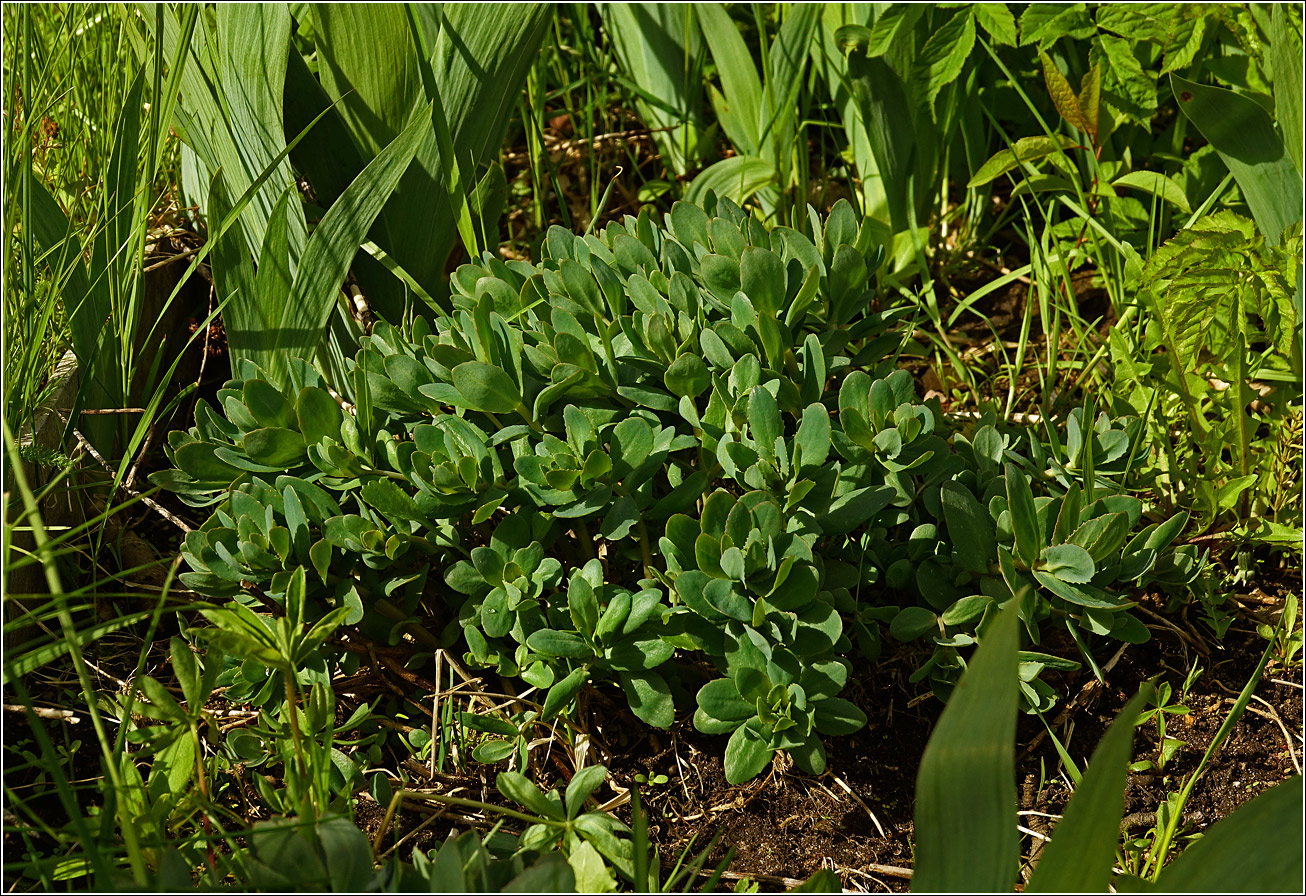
966, 839
1079, 857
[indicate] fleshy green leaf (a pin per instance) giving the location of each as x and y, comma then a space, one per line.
486, 388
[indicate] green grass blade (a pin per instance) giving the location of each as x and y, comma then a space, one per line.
1165, 837
966, 838
1079, 857
1244, 136
740, 113
657, 45
1257, 849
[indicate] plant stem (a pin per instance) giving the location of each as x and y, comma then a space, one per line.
291, 704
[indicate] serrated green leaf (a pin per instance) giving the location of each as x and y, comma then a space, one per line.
941, 59
998, 22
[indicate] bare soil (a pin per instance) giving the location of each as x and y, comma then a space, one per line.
857, 817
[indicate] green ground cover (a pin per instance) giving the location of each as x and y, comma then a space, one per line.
457, 382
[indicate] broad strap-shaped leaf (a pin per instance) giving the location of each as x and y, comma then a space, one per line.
656, 45
737, 178
1080, 855
740, 107
966, 838
302, 320
1243, 134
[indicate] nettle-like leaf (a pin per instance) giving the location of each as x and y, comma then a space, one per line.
1218, 280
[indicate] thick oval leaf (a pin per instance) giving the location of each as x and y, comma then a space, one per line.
275, 447
1069, 563
562, 693
583, 783
485, 387
835, 716
493, 750
555, 643
762, 279
649, 697
912, 623
746, 755
688, 376
970, 527
720, 699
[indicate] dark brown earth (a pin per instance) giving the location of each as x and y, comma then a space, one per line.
857, 818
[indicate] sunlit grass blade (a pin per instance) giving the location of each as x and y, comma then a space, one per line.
658, 46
